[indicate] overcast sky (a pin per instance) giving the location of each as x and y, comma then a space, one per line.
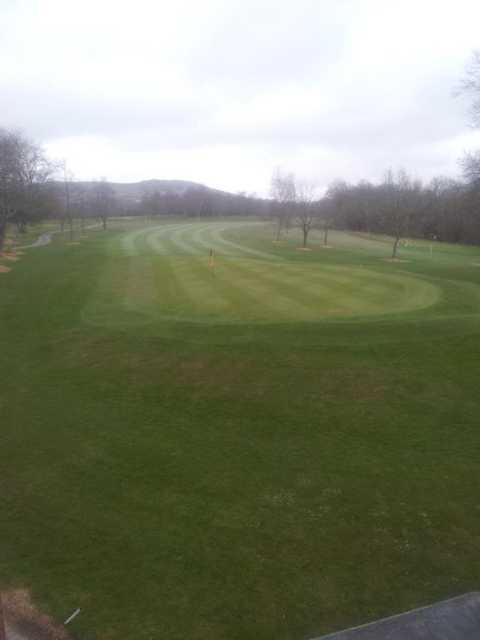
222, 91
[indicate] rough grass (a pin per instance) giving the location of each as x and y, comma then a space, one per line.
238, 477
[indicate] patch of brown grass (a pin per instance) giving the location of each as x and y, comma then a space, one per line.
204, 375
9, 256
4, 269
23, 616
12, 252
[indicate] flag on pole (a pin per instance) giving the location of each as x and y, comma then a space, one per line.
211, 259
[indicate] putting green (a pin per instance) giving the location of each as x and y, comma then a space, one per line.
163, 273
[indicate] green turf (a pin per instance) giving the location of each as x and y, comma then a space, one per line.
277, 447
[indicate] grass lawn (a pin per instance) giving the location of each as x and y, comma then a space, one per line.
278, 446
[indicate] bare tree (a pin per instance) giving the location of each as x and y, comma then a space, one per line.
305, 208
67, 176
401, 199
335, 206
470, 164
283, 193
81, 207
471, 86
24, 173
324, 211
103, 200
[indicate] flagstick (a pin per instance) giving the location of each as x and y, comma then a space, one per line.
211, 261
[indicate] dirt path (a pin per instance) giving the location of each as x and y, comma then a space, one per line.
41, 241
24, 621
15, 635
46, 238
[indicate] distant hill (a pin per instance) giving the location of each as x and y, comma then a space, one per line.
131, 193
161, 197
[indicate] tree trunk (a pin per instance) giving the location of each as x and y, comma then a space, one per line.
325, 236
104, 223
279, 229
70, 222
395, 245
305, 237
3, 232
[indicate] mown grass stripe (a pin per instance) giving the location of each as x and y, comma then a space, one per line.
134, 242
270, 297
185, 246
223, 246
200, 288
158, 238
217, 235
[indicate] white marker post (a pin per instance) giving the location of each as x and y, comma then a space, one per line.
70, 618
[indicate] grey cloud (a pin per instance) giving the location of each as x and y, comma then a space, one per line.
257, 46
52, 113
366, 112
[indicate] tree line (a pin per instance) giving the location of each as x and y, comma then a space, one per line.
33, 188
400, 206
25, 172
199, 201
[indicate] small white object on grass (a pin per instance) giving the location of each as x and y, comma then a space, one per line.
70, 618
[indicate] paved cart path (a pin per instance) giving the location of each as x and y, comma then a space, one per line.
45, 238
